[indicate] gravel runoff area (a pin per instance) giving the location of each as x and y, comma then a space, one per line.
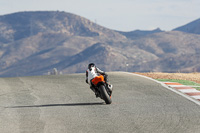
180, 76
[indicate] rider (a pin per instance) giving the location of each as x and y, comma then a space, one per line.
93, 72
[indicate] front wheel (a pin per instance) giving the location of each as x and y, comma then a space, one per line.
105, 95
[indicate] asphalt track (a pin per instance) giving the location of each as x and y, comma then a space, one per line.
65, 104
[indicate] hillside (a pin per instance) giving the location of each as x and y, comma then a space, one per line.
192, 27
139, 33
177, 51
33, 43
40, 39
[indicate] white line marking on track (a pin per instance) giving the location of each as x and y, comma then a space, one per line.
188, 90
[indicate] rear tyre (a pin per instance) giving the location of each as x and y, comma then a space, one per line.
105, 95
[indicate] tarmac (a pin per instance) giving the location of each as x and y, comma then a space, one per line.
65, 104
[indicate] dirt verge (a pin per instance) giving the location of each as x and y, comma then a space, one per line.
181, 76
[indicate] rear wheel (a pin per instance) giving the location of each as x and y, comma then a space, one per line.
105, 95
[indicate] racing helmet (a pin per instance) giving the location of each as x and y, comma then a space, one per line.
91, 65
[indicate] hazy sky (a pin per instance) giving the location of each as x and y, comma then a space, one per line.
123, 15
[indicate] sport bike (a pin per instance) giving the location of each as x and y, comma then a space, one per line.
102, 89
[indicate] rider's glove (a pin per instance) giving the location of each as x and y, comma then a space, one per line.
103, 73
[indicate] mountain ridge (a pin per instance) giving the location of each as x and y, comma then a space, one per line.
192, 27
37, 42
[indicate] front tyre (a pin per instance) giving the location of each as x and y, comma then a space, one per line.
105, 95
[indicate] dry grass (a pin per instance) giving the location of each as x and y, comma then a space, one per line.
181, 76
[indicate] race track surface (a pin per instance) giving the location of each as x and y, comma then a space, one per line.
65, 104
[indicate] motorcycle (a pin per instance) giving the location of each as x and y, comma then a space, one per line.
102, 89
